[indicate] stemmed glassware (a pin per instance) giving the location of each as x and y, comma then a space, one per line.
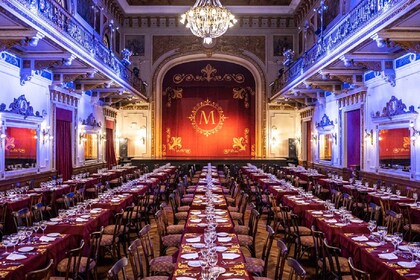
43, 226
415, 197
382, 230
6, 243
371, 227
396, 239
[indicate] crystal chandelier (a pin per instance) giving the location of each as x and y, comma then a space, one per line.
208, 19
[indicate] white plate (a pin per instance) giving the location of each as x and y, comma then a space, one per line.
221, 234
403, 248
407, 264
198, 245
26, 249
55, 220
373, 244
97, 209
194, 263
221, 248
356, 221
53, 234
217, 269
85, 216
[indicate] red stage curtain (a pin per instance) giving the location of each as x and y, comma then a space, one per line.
109, 148
63, 148
208, 111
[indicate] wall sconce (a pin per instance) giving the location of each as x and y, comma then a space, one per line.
142, 133
102, 136
45, 135
314, 138
415, 132
334, 136
82, 137
297, 140
274, 136
369, 134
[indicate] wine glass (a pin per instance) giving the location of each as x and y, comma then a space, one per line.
6, 243
43, 226
382, 230
398, 192
371, 227
396, 239
28, 232
415, 197
14, 240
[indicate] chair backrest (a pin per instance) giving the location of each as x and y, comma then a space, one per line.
3, 212
357, 274
331, 255
244, 203
254, 218
117, 227
319, 237
95, 244
41, 274
73, 263
281, 259
22, 217
267, 247
37, 214
35, 199
160, 222
296, 270
118, 267
393, 221
136, 259
147, 246
347, 201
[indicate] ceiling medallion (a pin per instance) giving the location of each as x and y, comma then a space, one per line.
207, 117
208, 19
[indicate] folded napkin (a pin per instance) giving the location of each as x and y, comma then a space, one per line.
356, 221
230, 256
389, 256
185, 278
195, 220
331, 221
360, 238
15, 257
317, 212
221, 220
373, 244
194, 239
190, 256
341, 224
51, 223
194, 263
81, 220
224, 239
46, 239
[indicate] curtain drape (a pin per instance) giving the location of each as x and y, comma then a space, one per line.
109, 148
63, 149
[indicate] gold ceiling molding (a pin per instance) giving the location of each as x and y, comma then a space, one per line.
209, 75
135, 106
110, 112
224, 45
352, 98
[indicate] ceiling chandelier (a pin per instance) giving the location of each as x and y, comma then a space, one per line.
208, 19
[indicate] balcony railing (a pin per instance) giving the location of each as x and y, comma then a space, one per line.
364, 13
61, 20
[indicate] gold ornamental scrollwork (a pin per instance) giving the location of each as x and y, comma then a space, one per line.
174, 143
206, 111
243, 94
239, 144
209, 75
172, 93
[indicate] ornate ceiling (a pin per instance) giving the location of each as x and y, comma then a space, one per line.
226, 2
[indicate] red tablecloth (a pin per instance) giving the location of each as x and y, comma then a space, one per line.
366, 258
332, 230
37, 258
294, 203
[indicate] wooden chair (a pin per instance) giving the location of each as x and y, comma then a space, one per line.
296, 270
70, 266
136, 258
412, 231
357, 274
281, 261
117, 268
110, 242
89, 264
170, 229
248, 240
3, 212
320, 265
260, 266
335, 265
239, 216
177, 215
41, 274
393, 221
162, 265
22, 217
166, 240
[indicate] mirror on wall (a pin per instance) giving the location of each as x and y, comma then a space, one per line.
394, 149
91, 146
325, 147
20, 148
